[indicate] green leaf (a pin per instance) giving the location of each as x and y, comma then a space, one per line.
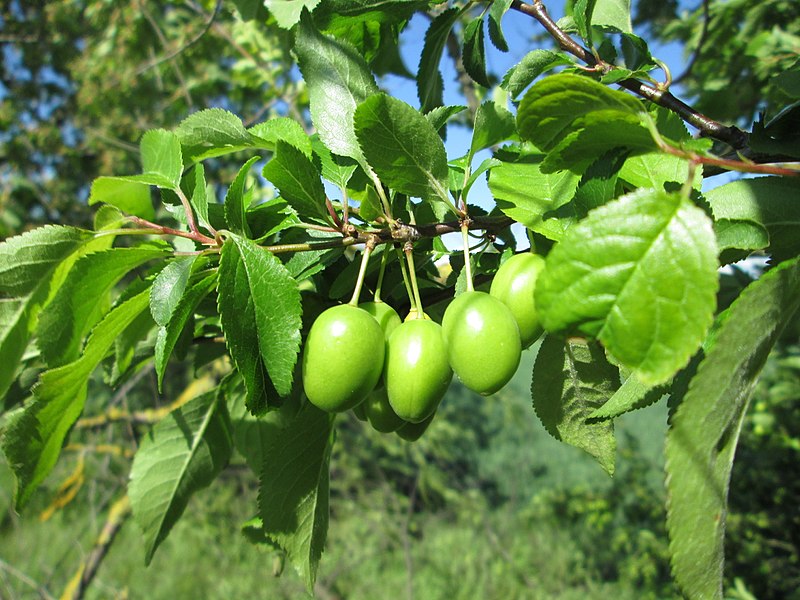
705, 427
614, 15
298, 180
739, 235
402, 147
237, 201
84, 297
199, 198
168, 288
640, 274
287, 12
654, 169
180, 315
632, 395
439, 116
529, 196
473, 55
294, 491
129, 194
270, 132
582, 15
161, 155
336, 169
598, 133
27, 264
496, 12
493, 124
338, 80
260, 311
212, 132
771, 202
533, 64
549, 108
570, 381
430, 87
181, 454
33, 440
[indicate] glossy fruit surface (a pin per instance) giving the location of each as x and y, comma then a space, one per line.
411, 432
417, 372
483, 342
514, 284
379, 412
386, 316
343, 358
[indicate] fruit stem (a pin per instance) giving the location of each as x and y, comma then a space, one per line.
361, 272
384, 261
467, 256
409, 250
404, 271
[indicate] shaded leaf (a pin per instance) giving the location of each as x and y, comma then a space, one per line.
570, 381
33, 440
632, 395
705, 427
430, 87
496, 12
473, 54
180, 455
298, 180
294, 492
533, 64
237, 201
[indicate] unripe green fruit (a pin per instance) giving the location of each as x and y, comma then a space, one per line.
360, 412
417, 372
386, 316
483, 342
514, 285
379, 412
343, 358
411, 432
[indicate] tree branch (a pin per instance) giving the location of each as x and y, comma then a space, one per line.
733, 136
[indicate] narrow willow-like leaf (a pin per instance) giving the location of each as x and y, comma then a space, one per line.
294, 492
771, 202
182, 454
631, 395
402, 147
298, 180
639, 274
570, 381
550, 106
27, 263
32, 443
473, 55
84, 297
260, 309
161, 155
430, 86
181, 313
237, 201
704, 429
338, 80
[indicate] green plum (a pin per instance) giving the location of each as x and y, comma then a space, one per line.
379, 412
386, 316
343, 358
411, 432
417, 372
514, 285
483, 342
